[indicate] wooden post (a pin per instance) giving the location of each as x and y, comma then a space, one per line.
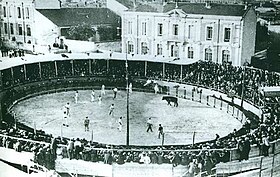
214, 101
89, 66
163, 70
193, 139
162, 141
227, 107
181, 74
55, 66
40, 70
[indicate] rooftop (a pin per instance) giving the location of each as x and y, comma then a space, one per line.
66, 17
201, 9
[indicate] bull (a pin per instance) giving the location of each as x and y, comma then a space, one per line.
170, 99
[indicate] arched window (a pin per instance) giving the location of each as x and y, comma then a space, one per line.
174, 50
159, 49
130, 47
225, 56
144, 48
208, 54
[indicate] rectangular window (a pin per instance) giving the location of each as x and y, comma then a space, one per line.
12, 28
28, 30
208, 54
129, 28
209, 33
5, 28
175, 29
27, 12
18, 12
190, 52
130, 47
160, 25
4, 11
159, 49
225, 56
144, 28
227, 35
174, 50
19, 29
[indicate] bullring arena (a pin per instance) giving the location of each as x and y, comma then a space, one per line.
45, 112
201, 135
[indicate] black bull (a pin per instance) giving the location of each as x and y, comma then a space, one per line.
171, 99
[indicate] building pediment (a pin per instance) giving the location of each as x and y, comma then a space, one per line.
176, 13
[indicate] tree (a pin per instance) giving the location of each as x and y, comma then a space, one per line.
107, 33
81, 32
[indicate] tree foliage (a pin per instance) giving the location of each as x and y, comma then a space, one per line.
107, 33
81, 32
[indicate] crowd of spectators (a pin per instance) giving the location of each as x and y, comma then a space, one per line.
236, 81
42, 145
12, 53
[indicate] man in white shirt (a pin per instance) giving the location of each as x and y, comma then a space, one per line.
92, 95
76, 96
115, 90
103, 90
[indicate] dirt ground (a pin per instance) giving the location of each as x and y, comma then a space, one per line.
46, 112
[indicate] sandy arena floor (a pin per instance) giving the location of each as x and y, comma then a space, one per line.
46, 112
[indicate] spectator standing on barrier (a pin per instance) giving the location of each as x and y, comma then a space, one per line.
70, 149
76, 96
265, 145
115, 91
160, 131
240, 149
103, 90
92, 95
86, 124
156, 88
53, 147
246, 148
77, 149
150, 125
192, 167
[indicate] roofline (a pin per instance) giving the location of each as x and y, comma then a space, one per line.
248, 9
165, 14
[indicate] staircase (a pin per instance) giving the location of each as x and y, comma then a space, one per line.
254, 167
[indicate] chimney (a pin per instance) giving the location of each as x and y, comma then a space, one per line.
208, 5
